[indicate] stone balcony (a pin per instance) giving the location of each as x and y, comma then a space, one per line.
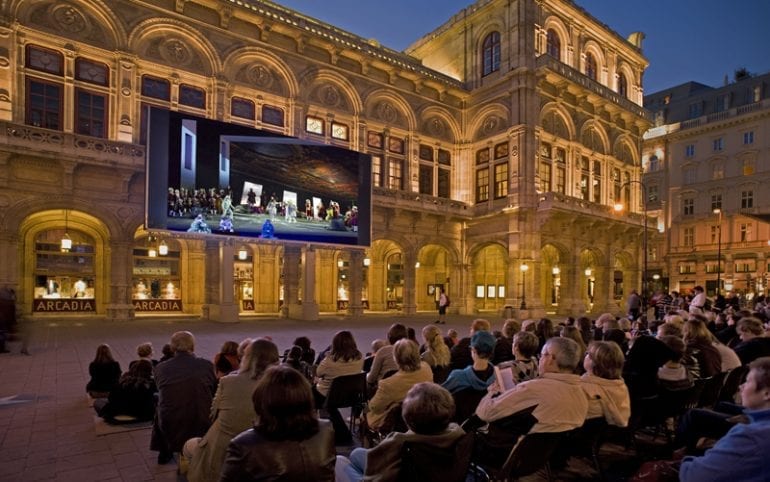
423, 203
22, 138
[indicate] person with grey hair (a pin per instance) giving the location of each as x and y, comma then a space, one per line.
186, 385
556, 395
392, 390
427, 411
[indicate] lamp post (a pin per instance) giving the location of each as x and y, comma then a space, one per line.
619, 207
718, 212
523, 269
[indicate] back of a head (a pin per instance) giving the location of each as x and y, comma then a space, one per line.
302, 342
229, 348
696, 331
144, 350
761, 369
407, 355
669, 329
103, 354
511, 327
141, 369
676, 347
527, 343
565, 351
183, 341
483, 342
480, 324
428, 408
261, 354
615, 335
607, 359
396, 332
283, 402
750, 325
295, 353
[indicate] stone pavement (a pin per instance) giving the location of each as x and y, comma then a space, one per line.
46, 426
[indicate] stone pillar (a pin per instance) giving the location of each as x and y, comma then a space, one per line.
355, 307
410, 278
219, 282
291, 262
308, 308
119, 306
573, 298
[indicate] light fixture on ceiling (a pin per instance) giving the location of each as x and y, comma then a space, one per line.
66, 241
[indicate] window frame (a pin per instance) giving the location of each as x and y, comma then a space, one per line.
104, 118
490, 53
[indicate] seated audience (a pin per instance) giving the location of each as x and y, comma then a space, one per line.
436, 352
742, 453
288, 442
558, 400
583, 323
702, 359
167, 352
573, 333
427, 411
133, 396
603, 384
226, 360
232, 412
461, 353
105, 373
525, 349
504, 345
308, 353
673, 375
452, 338
144, 352
343, 359
643, 359
544, 330
392, 390
186, 386
293, 359
754, 344
383, 360
369, 359
481, 373
727, 355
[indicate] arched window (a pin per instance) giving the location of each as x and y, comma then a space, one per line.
491, 53
553, 44
622, 85
590, 66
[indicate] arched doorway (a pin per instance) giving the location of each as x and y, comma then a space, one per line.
432, 274
489, 278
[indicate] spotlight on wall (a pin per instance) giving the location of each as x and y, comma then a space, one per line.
66, 241
163, 248
243, 254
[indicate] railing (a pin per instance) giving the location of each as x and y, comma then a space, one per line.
405, 200
724, 115
546, 61
82, 147
553, 200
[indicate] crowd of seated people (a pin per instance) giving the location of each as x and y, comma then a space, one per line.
565, 374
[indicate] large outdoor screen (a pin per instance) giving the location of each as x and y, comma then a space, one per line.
215, 178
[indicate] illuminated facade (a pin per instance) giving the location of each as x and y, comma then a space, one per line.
707, 165
499, 141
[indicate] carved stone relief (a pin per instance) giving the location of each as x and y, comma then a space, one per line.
175, 52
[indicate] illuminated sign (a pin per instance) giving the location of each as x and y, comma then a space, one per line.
64, 305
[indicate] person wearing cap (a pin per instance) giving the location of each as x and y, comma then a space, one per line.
480, 374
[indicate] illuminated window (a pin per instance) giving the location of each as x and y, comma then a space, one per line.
395, 176
501, 180
482, 156
374, 139
748, 167
561, 180
396, 145
482, 185
340, 131
545, 176
717, 171
689, 237
491, 53
745, 232
314, 125
377, 170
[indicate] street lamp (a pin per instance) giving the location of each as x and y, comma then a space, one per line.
718, 212
618, 208
523, 269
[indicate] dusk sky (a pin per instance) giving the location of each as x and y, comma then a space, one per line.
700, 40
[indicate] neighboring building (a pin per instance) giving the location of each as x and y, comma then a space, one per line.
499, 140
707, 168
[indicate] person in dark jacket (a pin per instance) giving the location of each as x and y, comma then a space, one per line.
461, 353
133, 396
753, 343
480, 374
288, 442
105, 373
186, 386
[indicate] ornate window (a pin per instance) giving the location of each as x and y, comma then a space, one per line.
243, 108
377, 170
92, 72
501, 179
314, 125
45, 60
491, 53
591, 69
747, 199
64, 274
340, 131
44, 104
482, 184
272, 115
91, 113
553, 44
156, 88
622, 85
192, 96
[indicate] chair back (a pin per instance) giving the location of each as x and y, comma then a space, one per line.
532, 453
440, 373
711, 388
466, 401
732, 383
347, 391
422, 461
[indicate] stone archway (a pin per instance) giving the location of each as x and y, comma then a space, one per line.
489, 286
432, 273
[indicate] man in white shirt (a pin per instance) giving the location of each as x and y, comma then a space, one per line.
698, 301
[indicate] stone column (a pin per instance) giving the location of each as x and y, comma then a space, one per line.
119, 306
308, 308
410, 278
291, 262
219, 282
355, 308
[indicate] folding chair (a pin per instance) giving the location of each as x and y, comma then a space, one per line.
393, 422
711, 388
466, 401
348, 391
732, 383
440, 373
586, 442
421, 462
532, 453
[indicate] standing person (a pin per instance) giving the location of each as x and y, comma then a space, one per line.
634, 304
186, 385
443, 302
698, 301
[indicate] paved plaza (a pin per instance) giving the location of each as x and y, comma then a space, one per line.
47, 429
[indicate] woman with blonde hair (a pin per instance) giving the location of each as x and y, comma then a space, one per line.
701, 357
436, 352
232, 411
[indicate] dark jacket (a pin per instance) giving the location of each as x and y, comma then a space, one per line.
186, 386
460, 354
104, 376
252, 457
748, 351
133, 397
